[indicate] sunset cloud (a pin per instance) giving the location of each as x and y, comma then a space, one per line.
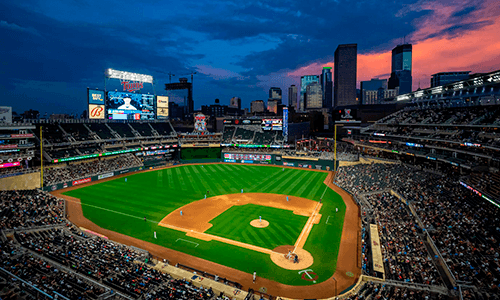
449, 38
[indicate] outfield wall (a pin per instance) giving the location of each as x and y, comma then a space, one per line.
64, 185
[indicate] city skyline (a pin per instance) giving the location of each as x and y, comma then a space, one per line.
54, 50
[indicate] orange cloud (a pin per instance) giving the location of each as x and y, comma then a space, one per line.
476, 50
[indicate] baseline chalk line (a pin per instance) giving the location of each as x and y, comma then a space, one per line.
187, 241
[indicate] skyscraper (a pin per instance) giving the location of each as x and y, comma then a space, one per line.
401, 68
327, 87
345, 74
443, 78
275, 94
314, 96
235, 102
304, 82
292, 96
257, 106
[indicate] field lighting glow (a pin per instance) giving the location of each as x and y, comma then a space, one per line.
110, 73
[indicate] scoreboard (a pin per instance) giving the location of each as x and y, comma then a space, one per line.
247, 158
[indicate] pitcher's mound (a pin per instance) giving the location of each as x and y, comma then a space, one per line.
259, 224
279, 253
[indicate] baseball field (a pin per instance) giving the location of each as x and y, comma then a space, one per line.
206, 210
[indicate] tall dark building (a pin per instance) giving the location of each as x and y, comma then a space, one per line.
180, 95
401, 69
292, 96
327, 87
344, 76
275, 94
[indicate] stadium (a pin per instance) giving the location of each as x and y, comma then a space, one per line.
133, 208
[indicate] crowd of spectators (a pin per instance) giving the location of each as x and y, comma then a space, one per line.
24, 209
117, 268
378, 291
405, 254
75, 171
464, 227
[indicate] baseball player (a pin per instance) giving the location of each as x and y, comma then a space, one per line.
181, 212
254, 276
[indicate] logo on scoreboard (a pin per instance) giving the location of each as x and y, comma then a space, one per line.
96, 111
132, 86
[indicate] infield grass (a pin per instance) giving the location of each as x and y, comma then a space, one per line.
121, 207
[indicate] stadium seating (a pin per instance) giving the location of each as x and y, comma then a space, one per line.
463, 226
85, 169
101, 130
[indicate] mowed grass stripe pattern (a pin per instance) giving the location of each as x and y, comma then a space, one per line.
284, 226
157, 193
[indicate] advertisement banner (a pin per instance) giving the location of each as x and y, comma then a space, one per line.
96, 111
107, 175
12, 164
8, 146
25, 135
80, 181
378, 261
161, 107
96, 97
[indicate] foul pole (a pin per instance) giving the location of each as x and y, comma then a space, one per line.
335, 149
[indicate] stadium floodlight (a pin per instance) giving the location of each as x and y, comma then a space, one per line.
123, 75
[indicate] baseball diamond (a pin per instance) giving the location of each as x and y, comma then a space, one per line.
306, 214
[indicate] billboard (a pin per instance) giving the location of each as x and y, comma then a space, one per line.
161, 107
6, 114
96, 111
272, 124
285, 120
130, 106
96, 97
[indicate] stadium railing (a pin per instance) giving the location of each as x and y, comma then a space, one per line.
208, 275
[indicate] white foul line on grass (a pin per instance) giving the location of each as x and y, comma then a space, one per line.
113, 211
324, 192
187, 241
327, 219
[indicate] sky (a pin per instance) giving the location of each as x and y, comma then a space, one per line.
51, 51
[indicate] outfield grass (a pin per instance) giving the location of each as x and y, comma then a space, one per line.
121, 206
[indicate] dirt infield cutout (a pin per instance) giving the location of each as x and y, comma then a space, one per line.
279, 257
259, 223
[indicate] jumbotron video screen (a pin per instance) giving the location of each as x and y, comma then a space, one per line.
130, 106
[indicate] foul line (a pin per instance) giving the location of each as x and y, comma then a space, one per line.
187, 241
110, 210
324, 192
307, 228
327, 219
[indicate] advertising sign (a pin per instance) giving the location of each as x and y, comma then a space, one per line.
272, 124
130, 106
96, 111
96, 97
80, 181
12, 164
161, 107
107, 175
285, 122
